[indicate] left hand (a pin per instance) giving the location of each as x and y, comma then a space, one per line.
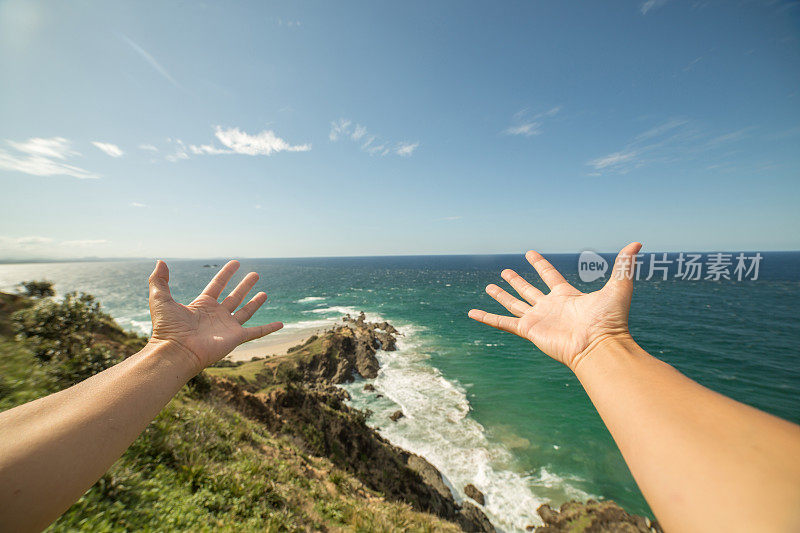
206, 329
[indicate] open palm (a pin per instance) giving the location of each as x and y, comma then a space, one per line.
565, 323
206, 328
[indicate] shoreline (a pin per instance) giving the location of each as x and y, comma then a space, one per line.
277, 343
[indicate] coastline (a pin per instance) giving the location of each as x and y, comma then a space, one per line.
277, 343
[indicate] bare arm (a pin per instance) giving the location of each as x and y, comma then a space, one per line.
703, 461
53, 449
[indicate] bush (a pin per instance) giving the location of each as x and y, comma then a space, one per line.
61, 336
59, 329
38, 289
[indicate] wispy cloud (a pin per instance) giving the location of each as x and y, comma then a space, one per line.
649, 5
673, 141
84, 243
290, 23
148, 147
110, 149
367, 142
236, 141
406, 149
340, 128
150, 60
181, 151
43, 157
528, 124
38, 246
137, 204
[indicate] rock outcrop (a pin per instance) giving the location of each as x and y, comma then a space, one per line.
604, 516
295, 395
473, 492
345, 350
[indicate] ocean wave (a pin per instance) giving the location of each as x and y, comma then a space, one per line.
341, 310
437, 426
309, 299
309, 324
144, 327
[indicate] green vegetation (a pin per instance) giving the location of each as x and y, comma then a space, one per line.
200, 465
38, 289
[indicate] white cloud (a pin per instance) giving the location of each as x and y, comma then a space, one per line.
181, 152
650, 5
138, 204
237, 141
148, 147
527, 129
339, 128
527, 125
110, 149
358, 132
84, 243
55, 147
26, 241
406, 149
37, 246
43, 157
675, 140
612, 160
372, 144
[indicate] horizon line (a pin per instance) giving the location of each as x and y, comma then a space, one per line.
90, 259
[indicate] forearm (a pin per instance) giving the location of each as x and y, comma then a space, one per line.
703, 461
53, 449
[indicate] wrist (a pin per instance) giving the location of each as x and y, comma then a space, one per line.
606, 345
184, 360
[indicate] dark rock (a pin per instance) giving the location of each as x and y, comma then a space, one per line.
317, 417
473, 492
303, 402
397, 415
369, 387
471, 518
379, 395
602, 517
468, 517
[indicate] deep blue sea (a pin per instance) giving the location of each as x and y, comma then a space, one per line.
485, 407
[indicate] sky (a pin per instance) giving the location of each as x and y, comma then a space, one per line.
289, 129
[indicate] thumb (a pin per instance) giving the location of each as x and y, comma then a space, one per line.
159, 282
621, 279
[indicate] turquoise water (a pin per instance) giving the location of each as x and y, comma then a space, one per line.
485, 407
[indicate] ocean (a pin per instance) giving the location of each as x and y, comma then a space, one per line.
483, 406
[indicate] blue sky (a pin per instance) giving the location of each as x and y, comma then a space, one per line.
186, 129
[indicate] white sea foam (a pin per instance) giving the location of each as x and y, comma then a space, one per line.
145, 327
436, 426
308, 324
309, 299
340, 310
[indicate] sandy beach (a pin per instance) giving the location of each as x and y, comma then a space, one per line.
277, 343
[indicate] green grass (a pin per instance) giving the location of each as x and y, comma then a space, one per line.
247, 370
202, 466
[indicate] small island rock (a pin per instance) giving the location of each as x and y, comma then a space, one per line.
473, 492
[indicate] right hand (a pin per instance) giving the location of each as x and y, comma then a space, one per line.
565, 323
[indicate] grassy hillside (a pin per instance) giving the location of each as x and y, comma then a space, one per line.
201, 465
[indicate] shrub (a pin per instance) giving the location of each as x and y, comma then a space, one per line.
38, 288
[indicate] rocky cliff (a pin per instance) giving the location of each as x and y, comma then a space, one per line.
296, 394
